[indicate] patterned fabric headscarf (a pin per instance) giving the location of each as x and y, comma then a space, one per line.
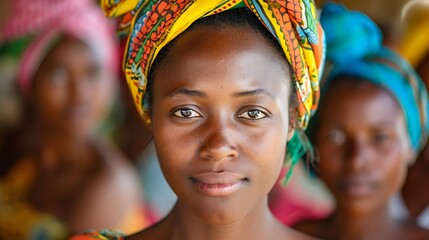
358, 52
152, 24
33, 27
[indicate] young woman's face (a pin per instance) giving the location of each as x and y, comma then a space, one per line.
363, 145
220, 121
71, 91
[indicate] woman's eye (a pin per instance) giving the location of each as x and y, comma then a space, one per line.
381, 138
336, 136
186, 113
59, 75
253, 114
94, 73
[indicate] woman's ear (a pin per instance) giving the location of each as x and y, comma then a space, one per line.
292, 125
290, 132
30, 98
148, 122
411, 156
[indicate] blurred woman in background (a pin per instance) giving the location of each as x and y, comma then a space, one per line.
58, 175
372, 122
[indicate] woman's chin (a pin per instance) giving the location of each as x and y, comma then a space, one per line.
219, 217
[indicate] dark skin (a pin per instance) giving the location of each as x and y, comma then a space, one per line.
415, 183
76, 172
364, 152
133, 135
219, 102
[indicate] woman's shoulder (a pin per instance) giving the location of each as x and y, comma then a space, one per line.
316, 228
101, 235
118, 176
413, 231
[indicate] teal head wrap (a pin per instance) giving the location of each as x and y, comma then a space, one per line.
354, 48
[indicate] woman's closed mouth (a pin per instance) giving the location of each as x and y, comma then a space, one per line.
217, 184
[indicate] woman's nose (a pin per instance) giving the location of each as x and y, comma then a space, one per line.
358, 157
79, 89
218, 145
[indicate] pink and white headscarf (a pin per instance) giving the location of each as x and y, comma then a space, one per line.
45, 20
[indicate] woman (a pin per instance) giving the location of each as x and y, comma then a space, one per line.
413, 201
59, 179
223, 99
371, 123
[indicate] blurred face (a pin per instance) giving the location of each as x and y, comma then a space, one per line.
363, 145
220, 121
71, 91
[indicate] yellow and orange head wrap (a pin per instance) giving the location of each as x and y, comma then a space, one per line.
152, 24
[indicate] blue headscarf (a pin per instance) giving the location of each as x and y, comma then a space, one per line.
354, 48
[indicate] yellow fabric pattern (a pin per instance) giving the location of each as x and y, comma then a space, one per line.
18, 219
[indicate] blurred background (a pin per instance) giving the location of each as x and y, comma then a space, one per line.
49, 196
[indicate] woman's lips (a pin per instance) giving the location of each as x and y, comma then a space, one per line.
358, 187
218, 184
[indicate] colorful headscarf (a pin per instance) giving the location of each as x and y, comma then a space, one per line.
34, 26
152, 24
358, 52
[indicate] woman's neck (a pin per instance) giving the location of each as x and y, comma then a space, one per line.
375, 224
185, 224
416, 185
67, 151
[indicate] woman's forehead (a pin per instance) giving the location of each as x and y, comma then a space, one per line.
360, 102
242, 57
213, 40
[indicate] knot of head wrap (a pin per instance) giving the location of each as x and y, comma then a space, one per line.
358, 52
152, 24
33, 27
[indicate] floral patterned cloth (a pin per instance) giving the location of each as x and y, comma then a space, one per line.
18, 218
101, 235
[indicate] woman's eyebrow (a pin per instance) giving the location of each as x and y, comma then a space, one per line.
196, 93
186, 92
255, 92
